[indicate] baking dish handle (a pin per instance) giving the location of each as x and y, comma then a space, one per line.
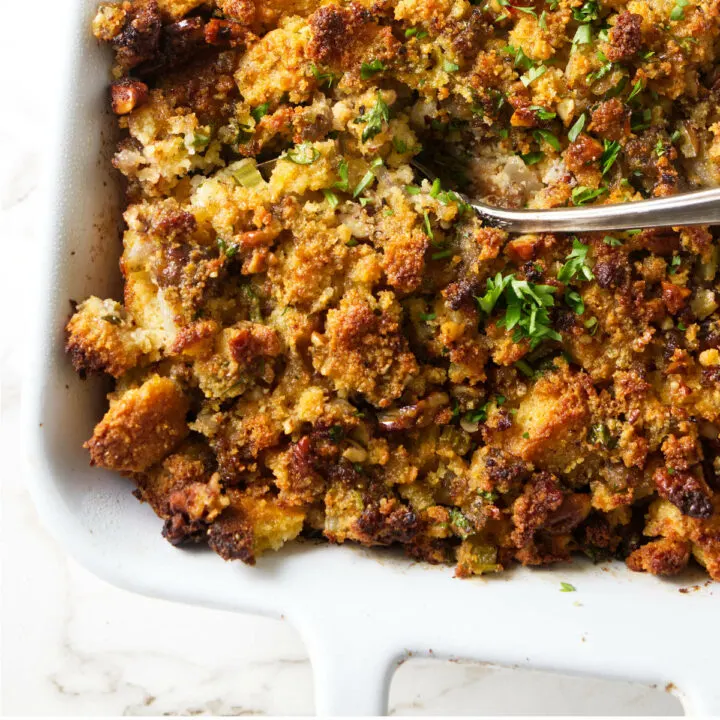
701, 693
352, 673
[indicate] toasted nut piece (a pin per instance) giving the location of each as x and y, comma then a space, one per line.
127, 94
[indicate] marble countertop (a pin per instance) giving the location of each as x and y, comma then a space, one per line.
73, 645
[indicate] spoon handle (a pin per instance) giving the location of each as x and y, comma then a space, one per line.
695, 208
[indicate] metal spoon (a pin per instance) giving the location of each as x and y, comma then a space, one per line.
693, 208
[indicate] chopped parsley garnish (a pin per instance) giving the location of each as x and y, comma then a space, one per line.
303, 154
611, 241
526, 435
637, 89
367, 70
260, 111
228, 250
577, 128
549, 138
532, 74
582, 195
488, 495
576, 264
542, 20
567, 587
368, 177
415, 32
587, 12
332, 198
400, 146
526, 311
574, 301
412, 190
427, 226
532, 158
660, 148
322, 77
343, 183
450, 67
495, 288
602, 71
675, 264
520, 59
441, 254
374, 119
611, 151
591, 325
542, 113
681, 327
678, 11
352, 242
426, 317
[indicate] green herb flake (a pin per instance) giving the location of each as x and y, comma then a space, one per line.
368, 178
675, 264
532, 158
415, 32
546, 136
542, 20
520, 59
532, 74
442, 254
260, 111
576, 264
577, 128
678, 11
400, 146
611, 241
374, 119
426, 317
367, 70
526, 435
567, 587
331, 198
352, 242
602, 71
427, 226
611, 150
450, 67
637, 89
542, 113
343, 183
494, 289
587, 12
322, 77
582, 195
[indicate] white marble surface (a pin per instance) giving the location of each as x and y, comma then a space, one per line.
72, 645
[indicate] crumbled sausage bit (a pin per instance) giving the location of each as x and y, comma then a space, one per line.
128, 94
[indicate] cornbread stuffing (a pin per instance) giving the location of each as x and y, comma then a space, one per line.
332, 346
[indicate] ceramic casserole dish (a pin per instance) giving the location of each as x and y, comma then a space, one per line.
360, 613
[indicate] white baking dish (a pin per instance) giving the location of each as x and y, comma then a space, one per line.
360, 612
